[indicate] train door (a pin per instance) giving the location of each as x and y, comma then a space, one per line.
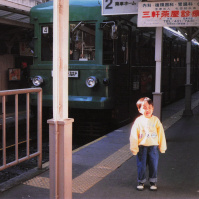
123, 73
116, 56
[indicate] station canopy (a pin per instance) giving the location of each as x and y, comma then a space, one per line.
14, 21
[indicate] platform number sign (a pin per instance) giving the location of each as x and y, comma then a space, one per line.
119, 7
108, 6
45, 30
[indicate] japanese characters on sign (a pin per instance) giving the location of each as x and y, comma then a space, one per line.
119, 7
171, 13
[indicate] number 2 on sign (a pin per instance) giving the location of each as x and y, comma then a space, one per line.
108, 6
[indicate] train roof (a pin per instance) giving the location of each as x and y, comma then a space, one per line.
43, 12
79, 10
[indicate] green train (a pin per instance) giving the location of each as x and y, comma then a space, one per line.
111, 65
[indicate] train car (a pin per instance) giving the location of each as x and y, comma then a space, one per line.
111, 65
99, 66
173, 65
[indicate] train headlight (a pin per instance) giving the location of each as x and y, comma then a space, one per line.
91, 81
37, 81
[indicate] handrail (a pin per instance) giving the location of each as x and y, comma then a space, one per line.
16, 92
20, 91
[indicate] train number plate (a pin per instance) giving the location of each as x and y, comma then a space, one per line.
73, 73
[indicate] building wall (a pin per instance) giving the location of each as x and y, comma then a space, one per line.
9, 60
6, 61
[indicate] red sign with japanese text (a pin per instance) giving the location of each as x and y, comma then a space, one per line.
170, 14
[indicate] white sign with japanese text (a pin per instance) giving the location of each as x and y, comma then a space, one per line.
170, 14
119, 7
73, 73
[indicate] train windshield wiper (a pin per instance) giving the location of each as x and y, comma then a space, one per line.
77, 26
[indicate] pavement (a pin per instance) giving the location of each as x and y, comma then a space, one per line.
106, 169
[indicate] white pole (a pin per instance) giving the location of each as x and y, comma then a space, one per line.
188, 62
158, 59
60, 59
157, 95
188, 86
60, 127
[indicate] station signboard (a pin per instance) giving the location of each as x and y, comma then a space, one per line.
169, 13
119, 7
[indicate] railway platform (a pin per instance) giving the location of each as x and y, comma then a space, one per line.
106, 169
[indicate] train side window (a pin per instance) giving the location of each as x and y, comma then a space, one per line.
115, 50
145, 49
82, 41
122, 49
47, 43
108, 46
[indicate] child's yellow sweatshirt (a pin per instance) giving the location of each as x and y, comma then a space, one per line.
147, 132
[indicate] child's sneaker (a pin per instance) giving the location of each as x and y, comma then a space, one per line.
153, 186
140, 186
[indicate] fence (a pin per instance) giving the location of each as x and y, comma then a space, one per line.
38, 153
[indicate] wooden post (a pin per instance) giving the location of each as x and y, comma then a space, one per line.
60, 127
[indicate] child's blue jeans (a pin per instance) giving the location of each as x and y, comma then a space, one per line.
147, 156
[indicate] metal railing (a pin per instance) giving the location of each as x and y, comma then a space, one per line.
38, 153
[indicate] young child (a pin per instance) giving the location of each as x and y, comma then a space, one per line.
147, 136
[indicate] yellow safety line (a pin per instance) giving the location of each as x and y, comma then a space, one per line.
89, 178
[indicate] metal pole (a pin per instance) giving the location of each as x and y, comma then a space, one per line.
188, 85
39, 128
60, 127
157, 95
188, 62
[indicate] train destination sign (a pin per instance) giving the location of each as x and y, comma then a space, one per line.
119, 7
170, 14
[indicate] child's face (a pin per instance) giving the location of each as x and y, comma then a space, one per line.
146, 109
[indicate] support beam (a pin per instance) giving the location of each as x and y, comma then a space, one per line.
188, 111
188, 62
157, 95
195, 34
60, 141
188, 85
60, 126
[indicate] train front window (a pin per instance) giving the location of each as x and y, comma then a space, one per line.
47, 43
82, 41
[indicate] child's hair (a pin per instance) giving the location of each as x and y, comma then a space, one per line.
143, 99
